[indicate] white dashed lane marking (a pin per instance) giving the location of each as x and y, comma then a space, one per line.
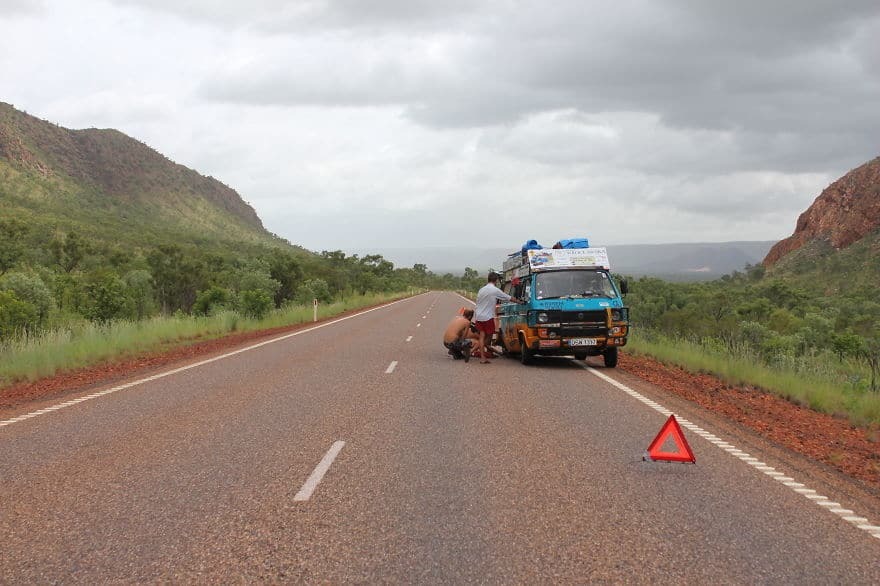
409, 339
312, 482
391, 367
798, 487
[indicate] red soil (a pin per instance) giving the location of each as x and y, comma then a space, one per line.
831, 440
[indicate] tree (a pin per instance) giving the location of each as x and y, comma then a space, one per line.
313, 289
871, 353
256, 277
12, 244
285, 269
31, 289
255, 304
105, 298
69, 251
15, 315
211, 299
177, 277
784, 295
139, 292
846, 344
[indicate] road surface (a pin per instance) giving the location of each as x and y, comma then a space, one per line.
360, 452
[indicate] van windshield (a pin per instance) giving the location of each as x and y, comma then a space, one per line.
571, 284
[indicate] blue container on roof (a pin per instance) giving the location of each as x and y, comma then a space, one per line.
573, 243
531, 245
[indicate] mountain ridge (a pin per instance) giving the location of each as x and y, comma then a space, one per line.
63, 173
845, 212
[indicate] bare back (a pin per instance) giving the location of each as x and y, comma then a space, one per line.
456, 329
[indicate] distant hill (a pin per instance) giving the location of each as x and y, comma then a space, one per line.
689, 261
111, 187
836, 244
685, 261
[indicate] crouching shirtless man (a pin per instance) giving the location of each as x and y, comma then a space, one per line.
456, 339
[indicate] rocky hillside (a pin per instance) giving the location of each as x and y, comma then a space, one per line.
65, 177
847, 211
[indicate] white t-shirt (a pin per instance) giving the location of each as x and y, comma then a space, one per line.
486, 298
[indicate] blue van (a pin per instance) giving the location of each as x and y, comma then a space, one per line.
572, 305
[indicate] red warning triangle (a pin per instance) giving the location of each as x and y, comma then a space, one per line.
670, 430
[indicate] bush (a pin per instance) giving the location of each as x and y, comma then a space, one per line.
256, 279
105, 298
255, 304
313, 289
211, 300
15, 315
31, 289
139, 291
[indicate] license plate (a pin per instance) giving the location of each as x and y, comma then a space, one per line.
582, 342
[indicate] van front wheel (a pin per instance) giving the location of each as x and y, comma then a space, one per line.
526, 356
610, 356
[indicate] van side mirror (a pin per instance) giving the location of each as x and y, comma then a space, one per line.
624, 287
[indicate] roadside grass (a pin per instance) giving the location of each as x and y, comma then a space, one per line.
817, 383
81, 344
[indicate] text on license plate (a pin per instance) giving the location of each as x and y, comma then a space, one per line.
582, 342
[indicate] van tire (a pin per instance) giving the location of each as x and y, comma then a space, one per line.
526, 356
505, 351
610, 356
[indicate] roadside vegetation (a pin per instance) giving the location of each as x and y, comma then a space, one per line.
69, 301
815, 346
82, 343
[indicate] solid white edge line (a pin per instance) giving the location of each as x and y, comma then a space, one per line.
137, 382
797, 487
845, 514
318, 473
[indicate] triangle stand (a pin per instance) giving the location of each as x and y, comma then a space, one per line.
670, 430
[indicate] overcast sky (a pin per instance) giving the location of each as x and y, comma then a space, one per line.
358, 124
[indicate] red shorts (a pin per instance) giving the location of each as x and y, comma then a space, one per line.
488, 326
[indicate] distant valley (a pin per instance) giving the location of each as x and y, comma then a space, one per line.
679, 262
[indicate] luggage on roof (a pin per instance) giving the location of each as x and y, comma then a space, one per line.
573, 243
531, 245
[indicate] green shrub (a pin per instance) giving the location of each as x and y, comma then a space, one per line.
255, 304
139, 293
31, 289
105, 298
209, 301
15, 315
313, 289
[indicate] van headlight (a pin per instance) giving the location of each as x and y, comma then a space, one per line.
621, 314
543, 318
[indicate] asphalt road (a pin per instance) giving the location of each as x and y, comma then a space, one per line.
449, 473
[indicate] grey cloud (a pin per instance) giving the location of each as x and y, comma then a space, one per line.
753, 65
21, 7
280, 16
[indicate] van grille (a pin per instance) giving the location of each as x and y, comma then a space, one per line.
583, 317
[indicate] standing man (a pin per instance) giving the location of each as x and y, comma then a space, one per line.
484, 315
